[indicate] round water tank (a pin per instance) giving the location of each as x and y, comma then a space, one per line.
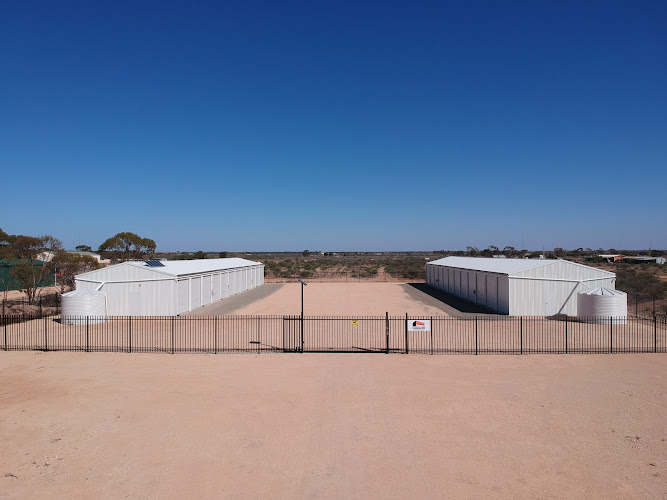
602, 305
79, 304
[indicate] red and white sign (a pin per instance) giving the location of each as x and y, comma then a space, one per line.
419, 325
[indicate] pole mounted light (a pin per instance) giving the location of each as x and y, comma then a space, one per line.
303, 283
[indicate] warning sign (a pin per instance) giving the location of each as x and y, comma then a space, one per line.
355, 323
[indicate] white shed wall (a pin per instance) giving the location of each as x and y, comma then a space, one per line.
548, 297
137, 298
487, 289
211, 287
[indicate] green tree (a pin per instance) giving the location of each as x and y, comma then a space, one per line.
7, 283
200, 255
29, 276
83, 248
27, 247
6, 246
127, 246
67, 265
223, 255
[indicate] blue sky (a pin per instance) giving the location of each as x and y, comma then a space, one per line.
336, 126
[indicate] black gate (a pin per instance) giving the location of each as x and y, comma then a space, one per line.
292, 334
345, 334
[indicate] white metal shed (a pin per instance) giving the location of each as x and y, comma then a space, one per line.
170, 287
517, 287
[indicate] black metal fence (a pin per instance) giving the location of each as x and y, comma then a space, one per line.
645, 306
366, 334
45, 304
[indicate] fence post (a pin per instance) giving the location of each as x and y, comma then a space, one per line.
565, 334
259, 334
87, 335
172, 334
476, 349
655, 334
46, 336
215, 336
4, 316
611, 335
406, 334
129, 329
521, 331
387, 331
431, 335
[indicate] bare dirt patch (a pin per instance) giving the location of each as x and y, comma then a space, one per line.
155, 426
345, 299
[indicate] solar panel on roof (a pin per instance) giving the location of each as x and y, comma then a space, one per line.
154, 263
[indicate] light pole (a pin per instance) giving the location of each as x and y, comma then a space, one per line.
303, 283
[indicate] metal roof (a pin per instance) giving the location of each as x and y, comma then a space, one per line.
490, 265
197, 266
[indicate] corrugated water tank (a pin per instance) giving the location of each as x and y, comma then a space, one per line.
602, 305
79, 304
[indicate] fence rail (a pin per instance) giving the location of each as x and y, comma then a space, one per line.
364, 334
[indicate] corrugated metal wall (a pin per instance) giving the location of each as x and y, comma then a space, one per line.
138, 298
209, 288
486, 289
546, 298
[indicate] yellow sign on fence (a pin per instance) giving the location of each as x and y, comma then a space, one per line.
355, 323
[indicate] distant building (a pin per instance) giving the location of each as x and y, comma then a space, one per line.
48, 256
611, 257
7, 282
640, 259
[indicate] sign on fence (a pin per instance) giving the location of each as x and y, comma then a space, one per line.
419, 325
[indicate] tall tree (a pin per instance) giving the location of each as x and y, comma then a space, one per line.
127, 246
29, 274
67, 265
509, 251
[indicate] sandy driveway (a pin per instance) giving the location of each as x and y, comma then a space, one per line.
337, 426
339, 299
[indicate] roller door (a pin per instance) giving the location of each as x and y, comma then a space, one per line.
206, 290
195, 292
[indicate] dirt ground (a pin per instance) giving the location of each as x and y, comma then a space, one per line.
340, 299
338, 426
18, 294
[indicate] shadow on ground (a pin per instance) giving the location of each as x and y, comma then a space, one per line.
236, 302
451, 304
